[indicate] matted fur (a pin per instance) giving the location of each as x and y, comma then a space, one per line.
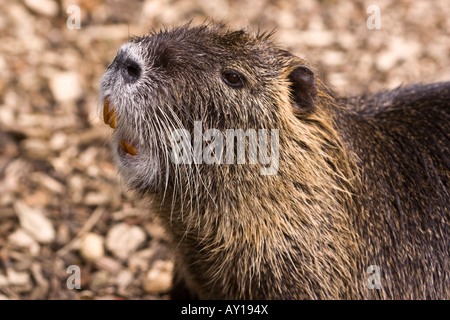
361, 181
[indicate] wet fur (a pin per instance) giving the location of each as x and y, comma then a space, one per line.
362, 181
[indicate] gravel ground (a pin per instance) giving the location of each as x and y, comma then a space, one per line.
61, 201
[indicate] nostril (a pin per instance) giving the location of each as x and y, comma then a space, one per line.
131, 71
134, 71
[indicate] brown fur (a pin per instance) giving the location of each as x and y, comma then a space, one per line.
361, 181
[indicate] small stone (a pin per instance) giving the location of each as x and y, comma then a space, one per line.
96, 198
109, 264
139, 261
99, 279
86, 295
35, 147
35, 223
62, 235
156, 231
159, 278
314, 38
18, 278
124, 278
58, 141
22, 239
65, 86
47, 8
48, 182
41, 289
123, 239
398, 49
334, 58
92, 247
338, 79
39, 198
3, 281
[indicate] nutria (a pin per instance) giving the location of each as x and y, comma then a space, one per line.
357, 208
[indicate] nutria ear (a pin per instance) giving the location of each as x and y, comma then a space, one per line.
303, 88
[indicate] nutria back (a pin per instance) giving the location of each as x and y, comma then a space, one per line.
402, 140
269, 184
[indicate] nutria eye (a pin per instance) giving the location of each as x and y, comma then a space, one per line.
233, 79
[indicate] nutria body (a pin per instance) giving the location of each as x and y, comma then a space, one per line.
360, 182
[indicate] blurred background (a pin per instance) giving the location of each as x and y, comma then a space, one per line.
61, 201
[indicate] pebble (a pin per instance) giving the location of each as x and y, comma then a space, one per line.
18, 278
159, 278
124, 278
99, 279
3, 281
21, 238
156, 231
97, 199
35, 223
48, 182
398, 49
139, 261
334, 58
123, 239
35, 147
109, 264
47, 8
58, 141
91, 247
65, 86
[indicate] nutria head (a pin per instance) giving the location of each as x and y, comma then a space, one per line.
166, 81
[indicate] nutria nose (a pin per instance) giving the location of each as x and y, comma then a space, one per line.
130, 70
